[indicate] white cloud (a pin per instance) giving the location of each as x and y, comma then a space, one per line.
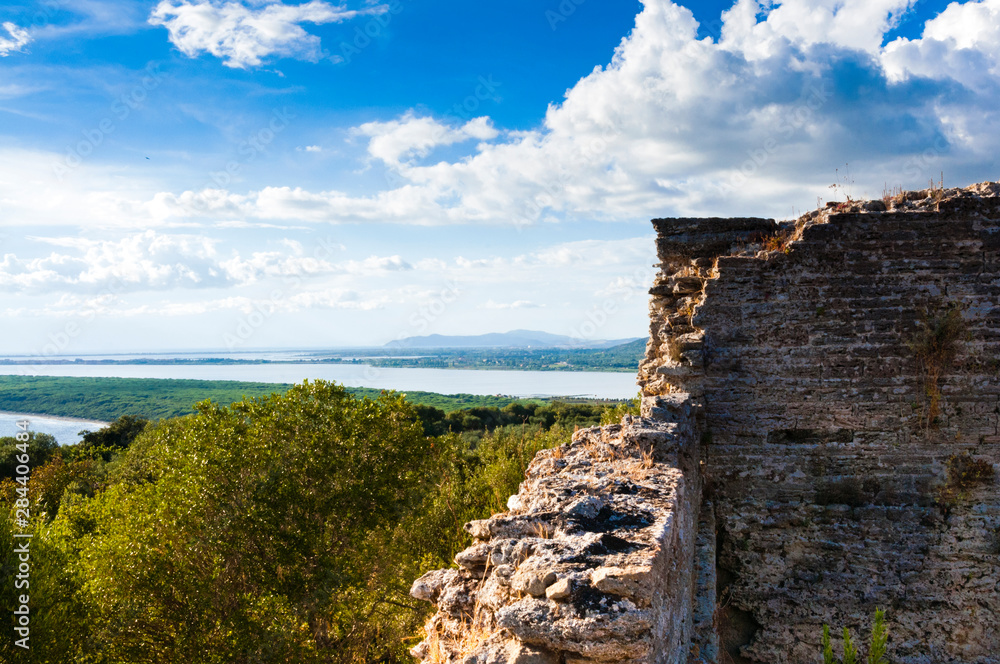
151, 261
242, 36
337, 299
851, 24
16, 39
402, 140
754, 123
519, 304
144, 261
960, 44
376, 263
677, 125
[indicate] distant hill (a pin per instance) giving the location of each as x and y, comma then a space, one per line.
512, 339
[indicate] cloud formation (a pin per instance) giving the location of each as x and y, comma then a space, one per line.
151, 261
241, 35
756, 120
402, 140
16, 39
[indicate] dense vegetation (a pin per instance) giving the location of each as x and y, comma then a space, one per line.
625, 357
283, 528
107, 399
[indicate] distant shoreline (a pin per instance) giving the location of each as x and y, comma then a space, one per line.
380, 363
97, 399
59, 418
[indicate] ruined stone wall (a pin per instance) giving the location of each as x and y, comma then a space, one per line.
820, 437
837, 464
594, 562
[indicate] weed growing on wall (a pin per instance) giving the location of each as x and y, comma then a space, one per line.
876, 648
964, 473
935, 347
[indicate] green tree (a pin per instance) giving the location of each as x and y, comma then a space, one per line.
614, 414
114, 438
41, 448
279, 529
243, 539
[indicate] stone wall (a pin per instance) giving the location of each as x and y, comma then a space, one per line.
593, 563
820, 437
835, 420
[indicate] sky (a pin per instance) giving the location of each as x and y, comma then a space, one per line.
235, 175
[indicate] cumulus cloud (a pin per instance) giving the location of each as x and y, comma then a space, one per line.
852, 24
243, 34
146, 260
150, 261
754, 121
402, 140
960, 44
16, 39
377, 263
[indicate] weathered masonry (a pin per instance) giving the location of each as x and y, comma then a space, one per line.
820, 436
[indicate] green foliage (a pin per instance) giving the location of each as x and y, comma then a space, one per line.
880, 639
110, 398
827, 647
850, 652
614, 414
520, 414
152, 398
624, 357
41, 448
285, 528
877, 648
118, 435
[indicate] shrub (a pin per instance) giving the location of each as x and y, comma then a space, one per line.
614, 414
877, 646
935, 347
964, 473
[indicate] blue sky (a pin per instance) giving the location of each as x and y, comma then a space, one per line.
234, 175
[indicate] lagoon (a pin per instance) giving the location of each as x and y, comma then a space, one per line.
65, 429
593, 384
